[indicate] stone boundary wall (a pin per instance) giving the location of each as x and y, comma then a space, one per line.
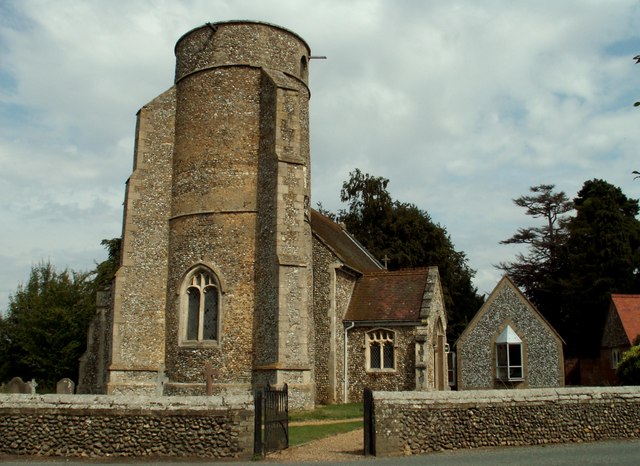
99, 426
409, 423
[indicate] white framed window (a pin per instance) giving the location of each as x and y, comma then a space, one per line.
381, 350
616, 355
509, 356
200, 308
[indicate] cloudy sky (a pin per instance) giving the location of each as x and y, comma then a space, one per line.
462, 105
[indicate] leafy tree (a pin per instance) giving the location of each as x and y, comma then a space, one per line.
326, 212
575, 263
603, 257
369, 210
628, 370
537, 272
44, 332
6, 360
106, 270
407, 237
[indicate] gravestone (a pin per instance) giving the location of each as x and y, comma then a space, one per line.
161, 379
16, 385
65, 387
209, 374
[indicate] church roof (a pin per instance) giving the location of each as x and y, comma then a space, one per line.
342, 244
390, 296
628, 308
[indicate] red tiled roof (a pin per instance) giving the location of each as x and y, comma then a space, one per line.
628, 308
342, 244
388, 296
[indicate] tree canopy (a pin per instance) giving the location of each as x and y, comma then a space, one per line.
407, 237
537, 271
45, 330
603, 257
628, 370
575, 262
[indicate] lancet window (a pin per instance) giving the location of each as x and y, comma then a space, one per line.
201, 308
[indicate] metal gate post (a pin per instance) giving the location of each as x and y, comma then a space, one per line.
369, 424
257, 424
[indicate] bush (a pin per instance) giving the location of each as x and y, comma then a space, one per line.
628, 370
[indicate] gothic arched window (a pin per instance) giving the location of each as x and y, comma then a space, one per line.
380, 350
201, 309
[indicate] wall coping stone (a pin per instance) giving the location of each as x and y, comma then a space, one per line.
442, 398
168, 404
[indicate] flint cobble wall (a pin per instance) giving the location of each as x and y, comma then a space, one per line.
409, 423
114, 426
403, 378
541, 347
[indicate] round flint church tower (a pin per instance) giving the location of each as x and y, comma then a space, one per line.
239, 274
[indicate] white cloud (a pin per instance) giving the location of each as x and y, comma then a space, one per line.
462, 105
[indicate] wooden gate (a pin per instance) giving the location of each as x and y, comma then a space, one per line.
271, 420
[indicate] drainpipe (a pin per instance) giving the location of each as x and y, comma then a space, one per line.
345, 394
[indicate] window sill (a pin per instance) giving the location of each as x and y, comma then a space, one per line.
199, 344
381, 371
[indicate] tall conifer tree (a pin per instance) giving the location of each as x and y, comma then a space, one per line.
603, 257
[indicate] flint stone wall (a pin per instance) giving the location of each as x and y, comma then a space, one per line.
403, 378
408, 423
543, 361
116, 426
332, 289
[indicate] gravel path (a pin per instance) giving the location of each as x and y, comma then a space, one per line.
340, 447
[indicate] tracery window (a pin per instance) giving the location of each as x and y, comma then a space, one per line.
509, 356
380, 350
201, 311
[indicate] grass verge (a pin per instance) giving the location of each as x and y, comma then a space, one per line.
328, 412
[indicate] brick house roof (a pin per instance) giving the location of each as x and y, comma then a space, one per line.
391, 296
342, 244
628, 308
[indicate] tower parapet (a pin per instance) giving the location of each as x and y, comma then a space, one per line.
249, 43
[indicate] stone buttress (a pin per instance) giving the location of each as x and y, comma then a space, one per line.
137, 318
